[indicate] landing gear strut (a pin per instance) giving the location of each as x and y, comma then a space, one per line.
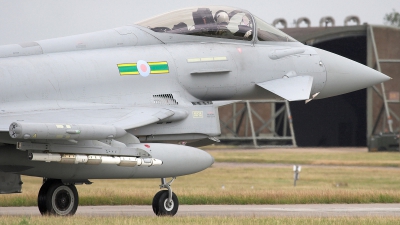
165, 202
56, 198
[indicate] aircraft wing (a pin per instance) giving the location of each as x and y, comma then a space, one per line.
125, 117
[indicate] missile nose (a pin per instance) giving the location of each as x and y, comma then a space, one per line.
344, 75
212, 160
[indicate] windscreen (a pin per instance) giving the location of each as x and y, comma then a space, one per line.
267, 32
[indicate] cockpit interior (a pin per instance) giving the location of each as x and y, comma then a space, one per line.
216, 22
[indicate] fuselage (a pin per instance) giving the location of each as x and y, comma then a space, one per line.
86, 69
135, 66
91, 75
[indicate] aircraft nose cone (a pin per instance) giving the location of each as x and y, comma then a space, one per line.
345, 75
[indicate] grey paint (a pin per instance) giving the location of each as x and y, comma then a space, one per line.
76, 80
10, 183
345, 75
177, 160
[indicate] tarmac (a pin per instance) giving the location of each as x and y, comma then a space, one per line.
309, 210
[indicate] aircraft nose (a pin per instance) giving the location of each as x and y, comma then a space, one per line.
344, 75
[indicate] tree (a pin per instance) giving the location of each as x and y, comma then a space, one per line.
392, 19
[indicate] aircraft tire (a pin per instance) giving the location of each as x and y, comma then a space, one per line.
42, 196
161, 206
61, 199
155, 202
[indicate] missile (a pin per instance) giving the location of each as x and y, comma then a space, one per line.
94, 159
22, 130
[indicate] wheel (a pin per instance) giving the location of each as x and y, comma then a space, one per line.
161, 205
42, 196
61, 199
155, 202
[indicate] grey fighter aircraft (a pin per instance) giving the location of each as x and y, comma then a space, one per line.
132, 102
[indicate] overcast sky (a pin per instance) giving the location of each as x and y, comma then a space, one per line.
29, 20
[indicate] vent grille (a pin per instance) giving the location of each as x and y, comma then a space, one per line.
202, 103
164, 99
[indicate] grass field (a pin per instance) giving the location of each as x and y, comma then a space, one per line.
309, 156
254, 183
8, 220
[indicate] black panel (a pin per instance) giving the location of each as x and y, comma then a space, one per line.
335, 121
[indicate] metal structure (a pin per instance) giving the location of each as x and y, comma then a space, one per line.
383, 114
383, 54
389, 113
303, 19
274, 127
280, 21
296, 177
348, 19
324, 21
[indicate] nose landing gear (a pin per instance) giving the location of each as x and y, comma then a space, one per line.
165, 202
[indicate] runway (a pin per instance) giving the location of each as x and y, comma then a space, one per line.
312, 210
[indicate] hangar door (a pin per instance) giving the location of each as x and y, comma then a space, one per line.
335, 121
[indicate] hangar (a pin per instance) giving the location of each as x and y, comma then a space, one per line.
346, 120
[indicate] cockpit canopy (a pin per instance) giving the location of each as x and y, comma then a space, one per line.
217, 22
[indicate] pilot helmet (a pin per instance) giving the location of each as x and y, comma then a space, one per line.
221, 17
245, 21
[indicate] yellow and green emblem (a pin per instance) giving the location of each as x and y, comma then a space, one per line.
143, 68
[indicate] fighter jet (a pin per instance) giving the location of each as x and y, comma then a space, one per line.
131, 102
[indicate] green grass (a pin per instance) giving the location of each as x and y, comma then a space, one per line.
309, 156
254, 183
11, 220
242, 185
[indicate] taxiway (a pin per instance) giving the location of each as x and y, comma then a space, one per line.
310, 210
